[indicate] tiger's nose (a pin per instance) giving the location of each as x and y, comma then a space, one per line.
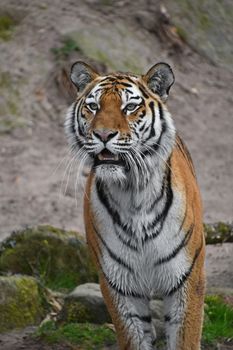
104, 135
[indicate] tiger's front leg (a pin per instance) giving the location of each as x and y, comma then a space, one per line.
131, 318
184, 313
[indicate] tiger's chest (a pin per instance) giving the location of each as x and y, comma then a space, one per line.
141, 249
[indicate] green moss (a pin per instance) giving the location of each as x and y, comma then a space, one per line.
5, 80
204, 21
9, 110
223, 228
218, 322
218, 233
22, 302
68, 46
58, 258
87, 336
106, 2
101, 46
77, 312
7, 25
181, 33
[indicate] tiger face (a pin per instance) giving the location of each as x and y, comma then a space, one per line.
119, 121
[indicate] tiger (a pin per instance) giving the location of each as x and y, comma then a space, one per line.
142, 204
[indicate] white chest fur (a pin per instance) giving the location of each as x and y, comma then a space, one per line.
131, 262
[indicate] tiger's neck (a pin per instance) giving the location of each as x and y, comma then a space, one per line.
134, 196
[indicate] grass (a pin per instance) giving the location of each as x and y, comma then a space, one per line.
7, 25
64, 282
218, 324
218, 328
87, 336
69, 45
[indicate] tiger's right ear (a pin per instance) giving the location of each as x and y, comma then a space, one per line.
82, 74
159, 79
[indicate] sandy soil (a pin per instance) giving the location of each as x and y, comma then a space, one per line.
200, 101
35, 186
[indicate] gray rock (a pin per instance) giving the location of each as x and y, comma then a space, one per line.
85, 304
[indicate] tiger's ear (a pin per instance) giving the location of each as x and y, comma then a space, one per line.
159, 79
82, 74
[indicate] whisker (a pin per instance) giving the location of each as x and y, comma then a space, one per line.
149, 148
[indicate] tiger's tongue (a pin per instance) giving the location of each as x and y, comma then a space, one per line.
107, 155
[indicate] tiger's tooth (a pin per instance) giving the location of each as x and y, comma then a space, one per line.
100, 156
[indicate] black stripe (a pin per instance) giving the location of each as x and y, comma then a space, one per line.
135, 98
143, 91
163, 215
142, 115
77, 117
182, 244
121, 77
130, 80
104, 84
72, 128
161, 194
100, 89
122, 143
73, 119
156, 145
111, 253
187, 274
152, 130
129, 92
148, 127
120, 291
109, 79
104, 200
115, 217
167, 318
125, 84
146, 319
137, 134
142, 127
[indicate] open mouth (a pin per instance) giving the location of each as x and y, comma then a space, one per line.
107, 157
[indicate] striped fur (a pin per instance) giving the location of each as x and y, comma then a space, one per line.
143, 212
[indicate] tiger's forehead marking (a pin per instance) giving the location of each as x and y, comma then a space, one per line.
124, 86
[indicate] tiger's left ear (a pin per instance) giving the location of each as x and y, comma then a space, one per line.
159, 79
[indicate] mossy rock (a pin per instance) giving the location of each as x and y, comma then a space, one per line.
85, 304
21, 302
219, 232
60, 259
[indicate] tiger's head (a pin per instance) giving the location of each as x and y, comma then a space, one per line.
120, 123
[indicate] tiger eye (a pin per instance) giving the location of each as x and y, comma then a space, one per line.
130, 107
93, 106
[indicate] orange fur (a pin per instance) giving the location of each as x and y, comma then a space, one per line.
112, 118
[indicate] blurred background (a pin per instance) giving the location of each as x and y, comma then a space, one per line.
40, 39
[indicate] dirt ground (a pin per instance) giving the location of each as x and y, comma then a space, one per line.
37, 185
